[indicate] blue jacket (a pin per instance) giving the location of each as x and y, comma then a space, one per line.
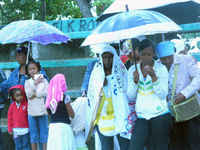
3, 95
16, 79
86, 78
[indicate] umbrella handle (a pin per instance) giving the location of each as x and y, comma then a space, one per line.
134, 55
27, 57
127, 9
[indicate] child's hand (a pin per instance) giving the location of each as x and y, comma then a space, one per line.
10, 133
38, 79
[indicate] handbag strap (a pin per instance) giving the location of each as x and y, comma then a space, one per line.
176, 66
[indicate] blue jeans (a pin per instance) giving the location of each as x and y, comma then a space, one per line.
22, 142
38, 128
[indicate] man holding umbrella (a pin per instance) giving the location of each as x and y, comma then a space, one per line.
186, 134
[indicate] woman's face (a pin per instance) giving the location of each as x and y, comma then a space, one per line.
21, 58
107, 60
146, 55
32, 69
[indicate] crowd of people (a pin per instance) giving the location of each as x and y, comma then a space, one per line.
127, 101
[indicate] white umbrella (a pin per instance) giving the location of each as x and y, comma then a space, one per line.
129, 25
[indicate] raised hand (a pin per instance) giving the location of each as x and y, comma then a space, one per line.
149, 70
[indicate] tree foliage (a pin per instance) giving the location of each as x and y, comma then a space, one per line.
13, 10
101, 5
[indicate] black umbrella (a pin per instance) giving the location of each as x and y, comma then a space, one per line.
180, 12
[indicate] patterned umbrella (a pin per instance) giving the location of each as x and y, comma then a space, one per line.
129, 25
31, 31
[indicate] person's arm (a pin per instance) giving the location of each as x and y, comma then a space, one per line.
6, 84
86, 78
10, 119
194, 73
132, 84
69, 108
12, 80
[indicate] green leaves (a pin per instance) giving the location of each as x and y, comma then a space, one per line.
101, 5
13, 10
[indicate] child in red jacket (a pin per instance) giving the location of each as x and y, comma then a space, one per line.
18, 118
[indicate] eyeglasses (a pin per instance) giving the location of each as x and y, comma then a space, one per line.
21, 50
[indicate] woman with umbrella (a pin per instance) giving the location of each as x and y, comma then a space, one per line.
148, 84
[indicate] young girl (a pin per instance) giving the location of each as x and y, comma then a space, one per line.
18, 118
36, 91
60, 132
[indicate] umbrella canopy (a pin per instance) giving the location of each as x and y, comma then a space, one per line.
131, 24
31, 31
180, 11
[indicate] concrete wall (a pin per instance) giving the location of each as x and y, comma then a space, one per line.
71, 50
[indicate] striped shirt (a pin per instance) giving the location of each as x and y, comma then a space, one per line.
150, 96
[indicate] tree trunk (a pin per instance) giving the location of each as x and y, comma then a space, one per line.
43, 10
84, 7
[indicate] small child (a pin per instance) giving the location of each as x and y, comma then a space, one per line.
18, 118
60, 132
36, 91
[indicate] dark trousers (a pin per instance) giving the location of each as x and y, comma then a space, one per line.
1, 139
153, 133
186, 135
107, 142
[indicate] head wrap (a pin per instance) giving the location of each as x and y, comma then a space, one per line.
118, 88
21, 87
57, 88
165, 48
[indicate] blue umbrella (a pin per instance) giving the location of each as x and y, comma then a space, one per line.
129, 25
